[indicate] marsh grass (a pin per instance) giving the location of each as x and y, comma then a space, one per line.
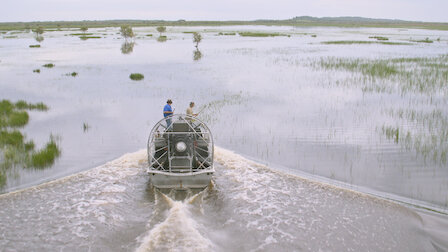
227, 34
13, 115
379, 38
148, 35
361, 42
34, 46
430, 140
17, 119
13, 145
11, 138
2, 178
81, 34
261, 34
391, 133
49, 65
21, 104
46, 156
422, 75
422, 129
73, 74
85, 127
89, 37
36, 71
136, 76
212, 109
426, 40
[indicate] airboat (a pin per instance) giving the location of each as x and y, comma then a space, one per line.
180, 153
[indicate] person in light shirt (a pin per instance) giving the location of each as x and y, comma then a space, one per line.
190, 110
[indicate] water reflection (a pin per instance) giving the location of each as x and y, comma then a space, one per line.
197, 55
127, 47
161, 39
39, 38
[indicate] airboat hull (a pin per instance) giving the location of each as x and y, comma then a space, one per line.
165, 180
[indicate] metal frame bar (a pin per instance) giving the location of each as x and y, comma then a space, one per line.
204, 135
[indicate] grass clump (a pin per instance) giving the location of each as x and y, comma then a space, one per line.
227, 34
85, 127
49, 65
13, 145
36, 71
379, 38
11, 138
360, 42
426, 40
12, 114
394, 43
46, 156
34, 46
136, 76
18, 119
73, 74
21, 104
346, 42
81, 34
6, 107
89, 37
148, 35
261, 34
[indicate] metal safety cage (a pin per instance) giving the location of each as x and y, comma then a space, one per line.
180, 144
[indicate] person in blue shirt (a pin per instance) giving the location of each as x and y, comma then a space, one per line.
168, 111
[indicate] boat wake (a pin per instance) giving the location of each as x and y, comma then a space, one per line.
248, 207
178, 230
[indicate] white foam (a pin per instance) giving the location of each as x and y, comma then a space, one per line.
282, 210
178, 232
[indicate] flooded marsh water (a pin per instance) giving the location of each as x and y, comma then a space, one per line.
367, 117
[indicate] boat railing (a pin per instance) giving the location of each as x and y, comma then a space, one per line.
200, 158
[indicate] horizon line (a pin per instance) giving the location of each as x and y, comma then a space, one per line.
234, 20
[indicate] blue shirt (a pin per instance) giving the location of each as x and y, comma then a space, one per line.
168, 109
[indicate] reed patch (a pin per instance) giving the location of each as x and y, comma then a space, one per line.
261, 34
16, 150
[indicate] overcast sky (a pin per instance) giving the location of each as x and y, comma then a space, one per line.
55, 10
